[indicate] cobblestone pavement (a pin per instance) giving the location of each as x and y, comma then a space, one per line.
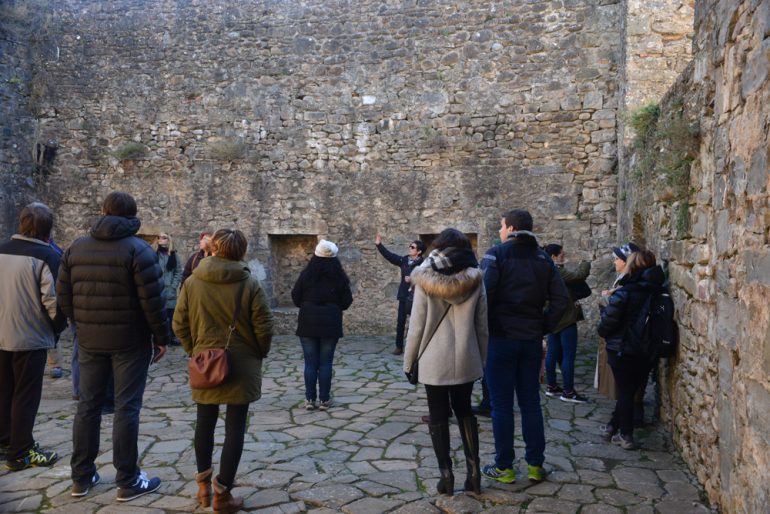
368, 454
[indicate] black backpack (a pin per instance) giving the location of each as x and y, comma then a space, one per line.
655, 332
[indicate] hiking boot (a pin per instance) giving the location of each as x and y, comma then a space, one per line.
572, 397
310, 405
536, 473
326, 404
142, 486
504, 476
56, 372
35, 456
553, 390
82, 489
624, 441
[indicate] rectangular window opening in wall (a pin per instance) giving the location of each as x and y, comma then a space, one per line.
289, 254
474, 238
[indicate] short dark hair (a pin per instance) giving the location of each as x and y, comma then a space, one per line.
36, 221
553, 249
229, 243
119, 203
451, 238
420, 245
519, 219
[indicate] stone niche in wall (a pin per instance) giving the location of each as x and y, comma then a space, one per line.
289, 254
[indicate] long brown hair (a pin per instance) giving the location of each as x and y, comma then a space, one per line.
638, 261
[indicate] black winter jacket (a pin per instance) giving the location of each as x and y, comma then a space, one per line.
320, 303
402, 261
111, 287
521, 280
625, 305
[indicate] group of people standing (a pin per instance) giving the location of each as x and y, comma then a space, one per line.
468, 320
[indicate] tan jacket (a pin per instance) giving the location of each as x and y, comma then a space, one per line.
458, 350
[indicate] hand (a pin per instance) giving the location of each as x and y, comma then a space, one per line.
408, 375
378, 239
407, 279
158, 353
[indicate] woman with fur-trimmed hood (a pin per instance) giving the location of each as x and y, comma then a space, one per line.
448, 336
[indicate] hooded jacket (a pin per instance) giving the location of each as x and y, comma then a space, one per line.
521, 280
205, 309
28, 310
625, 305
458, 349
111, 287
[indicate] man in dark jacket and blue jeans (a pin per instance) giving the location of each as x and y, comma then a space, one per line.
521, 280
111, 287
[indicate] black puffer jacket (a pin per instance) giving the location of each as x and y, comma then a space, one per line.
321, 302
625, 305
111, 286
521, 279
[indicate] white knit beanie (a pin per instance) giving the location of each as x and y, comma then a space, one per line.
326, 248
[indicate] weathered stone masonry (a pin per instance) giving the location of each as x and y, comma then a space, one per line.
712, 227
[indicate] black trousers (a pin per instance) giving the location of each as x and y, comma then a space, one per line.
630, 373
442, 400
21, 384
235, 429
401, 323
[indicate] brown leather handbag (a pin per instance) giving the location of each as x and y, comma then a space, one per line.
211, 367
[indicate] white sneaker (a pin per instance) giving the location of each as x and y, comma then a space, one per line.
310, 405
327, 404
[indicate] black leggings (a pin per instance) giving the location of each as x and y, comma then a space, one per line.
442, 400
235, 428
630, 373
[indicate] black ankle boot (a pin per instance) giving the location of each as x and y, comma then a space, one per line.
469, 431
439, 435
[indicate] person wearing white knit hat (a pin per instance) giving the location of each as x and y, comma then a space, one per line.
322, 292
326, 248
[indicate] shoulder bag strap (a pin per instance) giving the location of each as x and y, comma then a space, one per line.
434, 332
236, 312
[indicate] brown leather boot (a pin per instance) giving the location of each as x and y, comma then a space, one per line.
204, 487
224, 502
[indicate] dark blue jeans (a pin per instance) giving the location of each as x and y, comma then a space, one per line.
129, 372
319, 356
514, 365
562, 344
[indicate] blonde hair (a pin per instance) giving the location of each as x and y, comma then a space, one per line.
170, 246
229, 244
638, 261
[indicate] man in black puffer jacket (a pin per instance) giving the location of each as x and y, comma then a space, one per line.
111, 287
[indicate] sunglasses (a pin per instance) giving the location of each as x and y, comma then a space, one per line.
413, 247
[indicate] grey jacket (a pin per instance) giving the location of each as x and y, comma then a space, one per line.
27, 296
458, 350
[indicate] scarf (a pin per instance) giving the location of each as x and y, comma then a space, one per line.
451, 260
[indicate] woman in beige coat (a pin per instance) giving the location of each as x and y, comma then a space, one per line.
448, 336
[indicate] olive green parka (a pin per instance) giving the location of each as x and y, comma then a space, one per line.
205, 309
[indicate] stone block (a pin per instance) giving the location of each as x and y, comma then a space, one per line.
755, 72
726, 327
757, 263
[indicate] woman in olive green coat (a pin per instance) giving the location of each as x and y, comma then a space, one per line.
205, 309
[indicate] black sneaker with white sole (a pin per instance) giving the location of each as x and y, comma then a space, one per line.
572, 397
142, 486
82, 489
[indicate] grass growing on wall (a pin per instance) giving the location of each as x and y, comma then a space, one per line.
130, 152
227, 150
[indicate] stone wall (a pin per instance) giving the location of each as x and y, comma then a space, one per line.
338, 119
712, 226
20, 46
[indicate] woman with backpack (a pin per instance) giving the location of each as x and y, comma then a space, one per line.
627, 351
448, 337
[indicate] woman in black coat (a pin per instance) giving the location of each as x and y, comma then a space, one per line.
630, 364
322, 292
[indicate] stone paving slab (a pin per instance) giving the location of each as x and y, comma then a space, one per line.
368, 454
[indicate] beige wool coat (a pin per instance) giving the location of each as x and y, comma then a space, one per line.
458, 351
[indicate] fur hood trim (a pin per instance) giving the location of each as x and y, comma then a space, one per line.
455, 288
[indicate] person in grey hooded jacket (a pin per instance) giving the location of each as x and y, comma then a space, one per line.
448, 338
29, 323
